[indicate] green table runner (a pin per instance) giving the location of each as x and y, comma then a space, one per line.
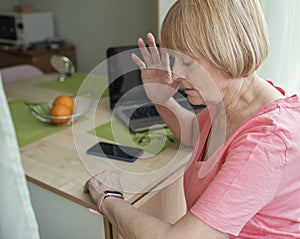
161, 139
73, 84
27, 128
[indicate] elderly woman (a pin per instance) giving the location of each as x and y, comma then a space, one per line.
243, 179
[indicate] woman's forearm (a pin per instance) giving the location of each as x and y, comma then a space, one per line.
131, 223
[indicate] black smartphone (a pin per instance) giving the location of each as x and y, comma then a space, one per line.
115, 151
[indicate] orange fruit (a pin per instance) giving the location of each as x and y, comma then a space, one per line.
66, 100
60, 109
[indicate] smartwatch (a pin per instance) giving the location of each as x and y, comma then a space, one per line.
106, 194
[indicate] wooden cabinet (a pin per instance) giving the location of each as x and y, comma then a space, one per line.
61, 218
37, 57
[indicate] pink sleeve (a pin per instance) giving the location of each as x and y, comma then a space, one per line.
247, 181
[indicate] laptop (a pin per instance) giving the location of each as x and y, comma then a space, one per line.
127, 96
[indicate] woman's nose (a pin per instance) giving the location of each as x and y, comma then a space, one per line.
177, 72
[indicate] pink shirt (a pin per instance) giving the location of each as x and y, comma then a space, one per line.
253, 190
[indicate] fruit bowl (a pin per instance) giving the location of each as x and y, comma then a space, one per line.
41, 111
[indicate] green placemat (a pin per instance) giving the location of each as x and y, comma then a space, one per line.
152, 142
27, 128
73, 84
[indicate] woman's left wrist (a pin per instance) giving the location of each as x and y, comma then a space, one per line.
106, 194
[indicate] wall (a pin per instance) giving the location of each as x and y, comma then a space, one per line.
283, 65
95, 25
7, 5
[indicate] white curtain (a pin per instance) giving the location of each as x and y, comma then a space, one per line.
17, 219
283, 63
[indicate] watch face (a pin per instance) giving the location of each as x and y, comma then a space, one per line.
113, 194
106, 194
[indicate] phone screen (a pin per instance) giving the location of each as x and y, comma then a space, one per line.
115, 151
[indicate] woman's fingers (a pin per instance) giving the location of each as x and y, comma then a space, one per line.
101, 182
88, 184
146, 55
153, 49
138, 61
155, 66
152, 57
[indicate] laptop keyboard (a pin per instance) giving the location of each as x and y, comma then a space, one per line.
142, 112
150, 110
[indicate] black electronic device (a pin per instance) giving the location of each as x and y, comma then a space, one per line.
115, 151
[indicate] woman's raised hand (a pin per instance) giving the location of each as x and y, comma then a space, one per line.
155, 71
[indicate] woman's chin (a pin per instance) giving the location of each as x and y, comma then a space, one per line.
196, 100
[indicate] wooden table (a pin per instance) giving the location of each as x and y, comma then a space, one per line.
56, 174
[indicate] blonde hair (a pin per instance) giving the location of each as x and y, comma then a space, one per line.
230, 34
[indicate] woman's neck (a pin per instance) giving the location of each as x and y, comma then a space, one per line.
244, 97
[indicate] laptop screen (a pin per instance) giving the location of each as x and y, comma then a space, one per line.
123, 74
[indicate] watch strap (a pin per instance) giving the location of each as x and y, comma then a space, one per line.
106, 194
